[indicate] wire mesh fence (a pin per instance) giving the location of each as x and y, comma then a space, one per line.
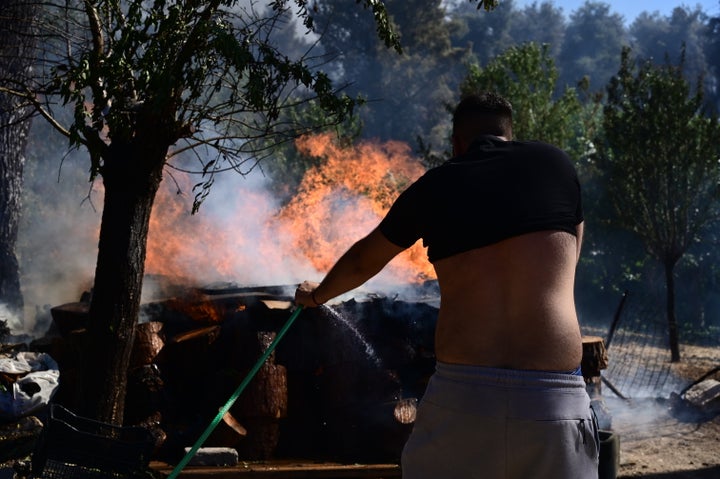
639, 357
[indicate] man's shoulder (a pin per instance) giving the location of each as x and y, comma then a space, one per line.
538, 145
539, 152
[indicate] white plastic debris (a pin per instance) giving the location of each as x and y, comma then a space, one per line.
38, 377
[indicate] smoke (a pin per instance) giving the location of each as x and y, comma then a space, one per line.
58, 231
242, 235
232, 238
8, 321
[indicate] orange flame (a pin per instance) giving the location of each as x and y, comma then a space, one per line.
210, 245
347, 196
252, 242
199, 308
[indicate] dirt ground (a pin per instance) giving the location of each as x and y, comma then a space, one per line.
665, 438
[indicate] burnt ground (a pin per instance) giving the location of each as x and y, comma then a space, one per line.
661, 436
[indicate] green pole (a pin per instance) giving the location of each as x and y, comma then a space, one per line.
203, 437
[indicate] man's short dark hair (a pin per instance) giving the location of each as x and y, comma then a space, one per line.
482, 113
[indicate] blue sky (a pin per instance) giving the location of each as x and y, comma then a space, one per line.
630, 9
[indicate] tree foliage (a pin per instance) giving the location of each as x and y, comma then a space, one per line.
659, 154
663, 39
593, 39
527, 76
405, 93
712, 53
484, 35
542, 23
205, 73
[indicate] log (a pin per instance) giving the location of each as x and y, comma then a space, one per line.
186, 356
68, 354
266, 395
145, 394
234, 424
262, 405
70, 317
148, 343
285, 469
262, 439
202, 336
153, 424
594, 360
253, 427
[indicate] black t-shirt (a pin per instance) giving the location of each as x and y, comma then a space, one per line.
496, 190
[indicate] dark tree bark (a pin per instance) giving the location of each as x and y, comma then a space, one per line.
16, 52
131, 175
673, 336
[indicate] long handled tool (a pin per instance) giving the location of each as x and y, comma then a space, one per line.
223, 410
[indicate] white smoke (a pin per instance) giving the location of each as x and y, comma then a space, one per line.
10, 320
249, 244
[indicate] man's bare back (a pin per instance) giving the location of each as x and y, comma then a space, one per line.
511, 305
503, 224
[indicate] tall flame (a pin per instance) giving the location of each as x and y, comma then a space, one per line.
347, 196
242, 235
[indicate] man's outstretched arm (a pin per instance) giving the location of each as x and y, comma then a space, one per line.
366, 258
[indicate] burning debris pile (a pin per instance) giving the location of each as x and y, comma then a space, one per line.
341, 385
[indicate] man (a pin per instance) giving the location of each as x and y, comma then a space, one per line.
503, 224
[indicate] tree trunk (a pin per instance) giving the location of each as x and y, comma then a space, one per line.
670, 306
16, 53
131, 175
12, 147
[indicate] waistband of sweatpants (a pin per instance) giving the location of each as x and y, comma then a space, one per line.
508, 377
536, 395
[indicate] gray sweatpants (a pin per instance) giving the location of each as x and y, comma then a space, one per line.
477, 422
